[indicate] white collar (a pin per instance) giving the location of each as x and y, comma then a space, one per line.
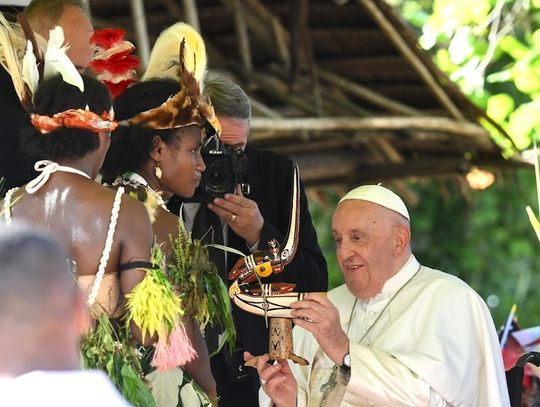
399, 279
394, 283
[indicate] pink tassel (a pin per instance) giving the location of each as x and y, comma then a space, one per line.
174, 350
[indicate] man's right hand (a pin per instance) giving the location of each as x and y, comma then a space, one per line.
277, 380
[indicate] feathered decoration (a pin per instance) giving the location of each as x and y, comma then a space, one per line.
57, 62
205, 295
113, 62
155, 307
163, 61
12, 46
173, 350
21, 56
30, 72
38, 42
185, 108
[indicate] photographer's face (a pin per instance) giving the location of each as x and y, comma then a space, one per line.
181, 163
234, 132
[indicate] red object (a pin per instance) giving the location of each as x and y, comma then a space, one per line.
118, 88
108, 37
114, 65
117, 64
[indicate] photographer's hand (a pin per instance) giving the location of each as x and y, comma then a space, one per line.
241, 214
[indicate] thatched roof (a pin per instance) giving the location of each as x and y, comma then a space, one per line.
340, 86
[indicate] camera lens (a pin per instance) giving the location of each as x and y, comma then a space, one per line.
219, 179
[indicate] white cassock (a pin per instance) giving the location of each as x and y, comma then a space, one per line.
434, 344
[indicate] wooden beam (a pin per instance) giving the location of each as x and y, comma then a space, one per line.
409, 54
175, 10
283, 127
276, 88
262, 109
367, 94
276, 33
350, 171
242, 36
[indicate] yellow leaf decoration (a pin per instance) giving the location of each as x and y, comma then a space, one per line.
153, 305
534, 221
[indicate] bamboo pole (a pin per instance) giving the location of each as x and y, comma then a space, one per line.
192, 16
141, 31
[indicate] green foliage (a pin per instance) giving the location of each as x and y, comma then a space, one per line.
204, 295
108, 349
484, 238
489, 48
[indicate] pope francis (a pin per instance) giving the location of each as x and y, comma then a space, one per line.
397, 333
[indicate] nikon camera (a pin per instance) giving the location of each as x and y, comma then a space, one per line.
225, 168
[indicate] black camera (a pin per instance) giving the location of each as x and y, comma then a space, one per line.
225, 168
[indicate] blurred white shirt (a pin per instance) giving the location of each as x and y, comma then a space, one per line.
81, 388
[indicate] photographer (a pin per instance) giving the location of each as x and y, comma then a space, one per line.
250, 217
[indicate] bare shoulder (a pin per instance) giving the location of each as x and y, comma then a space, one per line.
165, 226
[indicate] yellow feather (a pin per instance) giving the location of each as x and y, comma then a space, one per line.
12, 47
163, 60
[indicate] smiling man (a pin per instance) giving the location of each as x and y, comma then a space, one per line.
397, 333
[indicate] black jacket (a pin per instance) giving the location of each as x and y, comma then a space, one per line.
270, 177
15, 167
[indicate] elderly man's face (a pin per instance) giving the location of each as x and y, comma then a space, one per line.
234, 132
366, 238
77, 31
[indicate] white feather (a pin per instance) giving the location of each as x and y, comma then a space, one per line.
56, 60
30, 71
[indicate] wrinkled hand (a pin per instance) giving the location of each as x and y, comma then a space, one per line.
277, 380
241, 214
320, 317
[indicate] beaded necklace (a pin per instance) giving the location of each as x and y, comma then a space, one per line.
136, 181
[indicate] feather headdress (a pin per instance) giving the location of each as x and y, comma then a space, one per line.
12, 47
21, 56
113, 62
163, 62
186, 107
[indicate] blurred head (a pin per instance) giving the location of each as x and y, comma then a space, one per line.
176, 151
73, 17
42, 311
232, 108
372, 239
55, 96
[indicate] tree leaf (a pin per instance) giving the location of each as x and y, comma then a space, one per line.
134, 389
165, 386
189, 396
499, 106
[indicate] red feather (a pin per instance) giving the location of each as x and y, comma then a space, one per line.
115, 65
117, 88
107, 37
